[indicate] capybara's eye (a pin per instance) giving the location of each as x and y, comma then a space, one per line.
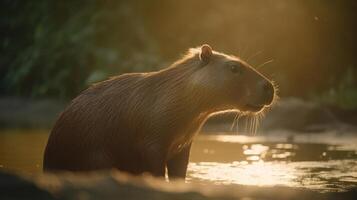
236, 69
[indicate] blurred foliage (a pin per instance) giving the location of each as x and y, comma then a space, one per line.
342, 95
54, 48
57, 48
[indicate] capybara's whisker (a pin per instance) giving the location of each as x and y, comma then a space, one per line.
263, 64
234, 121
253, 56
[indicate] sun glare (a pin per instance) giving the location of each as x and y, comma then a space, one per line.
258, 161
257, 173
251, 171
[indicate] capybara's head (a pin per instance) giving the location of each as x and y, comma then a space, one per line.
231, 82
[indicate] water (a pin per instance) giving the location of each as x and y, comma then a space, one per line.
22, 151
322, 162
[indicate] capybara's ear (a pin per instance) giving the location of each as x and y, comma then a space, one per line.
206, 53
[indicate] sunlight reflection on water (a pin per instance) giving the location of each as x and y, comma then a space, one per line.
256, 173
324, 176
264, 161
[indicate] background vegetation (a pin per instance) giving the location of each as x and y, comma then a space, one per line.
57, 48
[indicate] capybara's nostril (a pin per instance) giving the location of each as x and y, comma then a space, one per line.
268, 88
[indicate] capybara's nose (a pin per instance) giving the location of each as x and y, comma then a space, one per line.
267, 92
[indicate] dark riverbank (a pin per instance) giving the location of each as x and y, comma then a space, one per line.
28, 113
288, 114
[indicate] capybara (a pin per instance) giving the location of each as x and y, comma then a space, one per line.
145, 122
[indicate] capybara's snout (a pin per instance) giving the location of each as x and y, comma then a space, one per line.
266, 91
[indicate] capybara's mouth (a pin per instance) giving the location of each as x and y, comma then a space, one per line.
254, 108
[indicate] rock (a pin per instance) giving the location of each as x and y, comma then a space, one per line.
298, 115
13, 187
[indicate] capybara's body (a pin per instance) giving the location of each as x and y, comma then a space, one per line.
145, 122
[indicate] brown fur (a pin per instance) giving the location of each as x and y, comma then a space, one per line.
145, 122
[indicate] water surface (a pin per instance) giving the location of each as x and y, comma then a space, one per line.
322, 162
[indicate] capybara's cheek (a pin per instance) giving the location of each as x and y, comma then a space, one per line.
237, 98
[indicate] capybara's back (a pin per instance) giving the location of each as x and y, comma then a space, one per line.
86, 135
145, 122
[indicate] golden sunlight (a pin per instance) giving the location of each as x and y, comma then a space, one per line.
247, 164
271, 161
256, 173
